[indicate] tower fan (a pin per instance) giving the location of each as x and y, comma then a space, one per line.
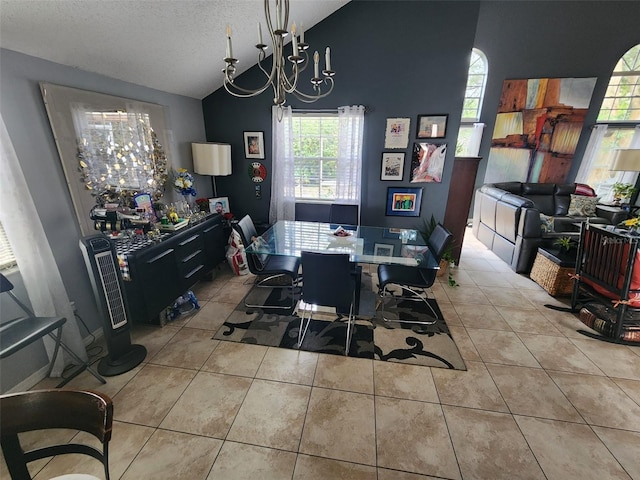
102, 265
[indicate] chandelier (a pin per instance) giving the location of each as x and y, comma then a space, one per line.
284, 73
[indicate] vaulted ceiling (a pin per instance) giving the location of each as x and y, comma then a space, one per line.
176, 46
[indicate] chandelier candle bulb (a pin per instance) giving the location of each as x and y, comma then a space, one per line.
316, 60
327, 58
301, 33
260, 34
294, 40
229, 50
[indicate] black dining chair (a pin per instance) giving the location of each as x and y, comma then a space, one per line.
414, 280
20, 332
343, 214
268, 268
39, 410
328, 281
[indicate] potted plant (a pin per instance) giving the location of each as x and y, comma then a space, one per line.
622, 192
565, 243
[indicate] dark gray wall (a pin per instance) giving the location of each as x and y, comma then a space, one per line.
404, 58
28, 126
553, 40
399, 59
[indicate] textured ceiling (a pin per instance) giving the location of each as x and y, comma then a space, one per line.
172, 45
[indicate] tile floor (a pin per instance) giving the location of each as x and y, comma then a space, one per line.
538, 401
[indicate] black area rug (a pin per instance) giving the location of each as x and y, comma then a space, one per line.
429, 345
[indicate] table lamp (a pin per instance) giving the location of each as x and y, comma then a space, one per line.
211, 159
627, 160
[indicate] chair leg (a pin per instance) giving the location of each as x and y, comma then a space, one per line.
350, 328
418, 298
292, 287
83, 366
304, 327
58, 339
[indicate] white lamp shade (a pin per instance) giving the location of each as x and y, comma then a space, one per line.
211, 159
626, 160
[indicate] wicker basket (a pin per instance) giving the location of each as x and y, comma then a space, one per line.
552, 277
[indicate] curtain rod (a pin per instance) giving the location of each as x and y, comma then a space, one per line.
325, 110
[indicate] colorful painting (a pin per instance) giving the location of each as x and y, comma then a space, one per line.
427, 162
404, 202
537, 129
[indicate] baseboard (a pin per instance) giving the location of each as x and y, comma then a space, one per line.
29, 382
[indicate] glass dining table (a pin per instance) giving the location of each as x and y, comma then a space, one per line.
364, 244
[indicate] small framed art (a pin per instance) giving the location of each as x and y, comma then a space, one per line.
396, 134
219, 205
254, 145
403, 201
392, 166
432, 126
383, 250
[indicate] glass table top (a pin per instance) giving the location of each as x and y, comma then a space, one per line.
365, 244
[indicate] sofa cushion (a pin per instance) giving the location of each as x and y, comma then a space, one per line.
582, 206
584, 189
541, 194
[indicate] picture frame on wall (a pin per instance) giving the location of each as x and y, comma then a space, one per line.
397, 133
254, 145
403, 201
427, 162
392, 166
432, 126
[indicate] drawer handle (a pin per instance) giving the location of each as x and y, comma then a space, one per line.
188, 240
194, 254
207, 230
194, 271
158, 257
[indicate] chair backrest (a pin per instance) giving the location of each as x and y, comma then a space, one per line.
439, 241
327, 280
87, 411
312, 212
247, 230
606, 260
344, 214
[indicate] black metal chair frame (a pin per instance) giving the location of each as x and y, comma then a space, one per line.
36, 410
328, 281
413, 279
269, 266
604, 256
20, 332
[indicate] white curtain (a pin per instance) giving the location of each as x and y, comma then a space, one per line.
475, 139
283, 196
349, 166
37, 265
590, 153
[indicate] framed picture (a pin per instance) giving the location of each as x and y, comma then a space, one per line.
403, 201
392, 166
219, 205
432, 126
254, 144
397, 133
427, 162
383, 250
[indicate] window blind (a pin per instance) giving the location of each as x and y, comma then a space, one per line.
7, 258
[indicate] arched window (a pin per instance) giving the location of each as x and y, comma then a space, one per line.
470, 132
617, 127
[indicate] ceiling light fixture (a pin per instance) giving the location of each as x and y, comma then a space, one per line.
278, 79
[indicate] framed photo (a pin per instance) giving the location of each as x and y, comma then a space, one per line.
403, 201
397, 133
392, 166
383, 250
427, 162
254, 144
219, 205
432, 126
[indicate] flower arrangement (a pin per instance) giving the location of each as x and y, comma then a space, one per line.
184, 183
632, 223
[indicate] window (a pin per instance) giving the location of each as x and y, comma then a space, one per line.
7, 258
472, 106
618, 127
315, 152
